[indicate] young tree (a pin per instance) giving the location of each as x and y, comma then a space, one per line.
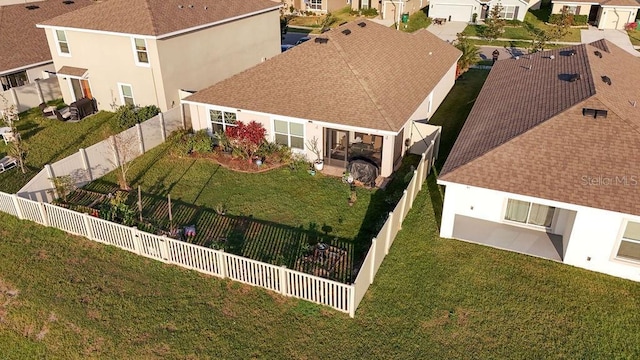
124, 148
562, 22
494, 23
540, 40
10, 117
470, 52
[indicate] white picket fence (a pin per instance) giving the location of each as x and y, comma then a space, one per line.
99, 159
342, 297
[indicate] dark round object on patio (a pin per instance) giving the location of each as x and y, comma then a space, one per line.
363, 170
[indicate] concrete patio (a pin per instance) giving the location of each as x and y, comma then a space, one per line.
508, 237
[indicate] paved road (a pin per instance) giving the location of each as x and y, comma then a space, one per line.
291, 37
505, 53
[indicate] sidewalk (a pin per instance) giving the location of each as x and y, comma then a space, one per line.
525, 40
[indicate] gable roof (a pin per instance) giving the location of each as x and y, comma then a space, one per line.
158, 17
566, 157
367, 76
21, 43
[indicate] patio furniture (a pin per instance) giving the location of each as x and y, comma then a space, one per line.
83, 108
439, 21
46, 110
7, 163
7, 135
60, 116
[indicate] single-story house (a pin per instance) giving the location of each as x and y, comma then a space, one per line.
548, 161
605, 14
357, 89
24, 50
463, 10
143, 52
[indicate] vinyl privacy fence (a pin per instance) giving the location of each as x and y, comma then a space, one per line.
342, 297
99, 159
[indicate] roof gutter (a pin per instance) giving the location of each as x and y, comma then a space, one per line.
162, 36
21, 68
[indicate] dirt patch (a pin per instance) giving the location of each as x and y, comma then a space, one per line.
439, 319
237, 164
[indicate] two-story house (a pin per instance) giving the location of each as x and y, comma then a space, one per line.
144, 52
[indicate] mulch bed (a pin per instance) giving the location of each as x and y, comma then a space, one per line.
236, 164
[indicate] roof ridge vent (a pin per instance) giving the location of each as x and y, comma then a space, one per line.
606, 80
594, 113
320, 40
190, 6
180, 6
362, 24
68, 2
346, 31
598, 54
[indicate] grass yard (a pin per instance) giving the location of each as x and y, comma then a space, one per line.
418, 20
338, 16
634, 36
432, 299
48, 141
272, 216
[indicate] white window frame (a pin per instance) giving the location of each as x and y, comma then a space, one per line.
315, 4
571, 9
135, 52
58, 41
621, 239
527, 223
505, 12
223, 122
122, 96
288, 134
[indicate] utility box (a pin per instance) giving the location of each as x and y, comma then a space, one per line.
405, 18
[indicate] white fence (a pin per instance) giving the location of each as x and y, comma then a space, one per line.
31, 95
380, 244
342, 297
99, 159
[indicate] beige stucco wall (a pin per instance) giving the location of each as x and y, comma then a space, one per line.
38, 72
199, 59
584, 8
110, 60
441, 90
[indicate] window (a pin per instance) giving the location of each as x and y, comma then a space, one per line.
63, 45
571, 9
509, 12
630, 243
529, 213
221, 119
140, 47
289, 134
315, 4
126, 94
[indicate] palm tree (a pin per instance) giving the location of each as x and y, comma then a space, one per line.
470, 53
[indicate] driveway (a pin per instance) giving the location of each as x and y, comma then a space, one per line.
618, 37
448, 30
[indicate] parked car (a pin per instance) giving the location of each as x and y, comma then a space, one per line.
303, 39
285, 47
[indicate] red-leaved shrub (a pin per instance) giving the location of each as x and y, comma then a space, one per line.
245, 139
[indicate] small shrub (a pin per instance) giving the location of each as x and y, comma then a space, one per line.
129, 115
631, 26
201, 142
580, 20
371, 12
181, 145
575, 20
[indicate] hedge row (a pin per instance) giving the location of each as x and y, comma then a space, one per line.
578, 20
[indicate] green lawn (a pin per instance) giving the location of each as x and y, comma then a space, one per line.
48, 141
634, 36
432, 299
272, 216
418, 20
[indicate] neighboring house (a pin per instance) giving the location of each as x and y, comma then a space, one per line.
388, 9
605, 14
548, 161
463, 10
317, 6
357, 89
144, 52
24, 52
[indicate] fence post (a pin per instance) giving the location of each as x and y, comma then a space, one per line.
182, 117
412, 191
421, 167
43, 213
372, 270
135, 235
352, 301
140, 138
85, 163
87, 225
163, 130
222, 263
39, 91
17, 205
114, 147
51, 176
283, 280
387, 242
164, 248
403, 207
